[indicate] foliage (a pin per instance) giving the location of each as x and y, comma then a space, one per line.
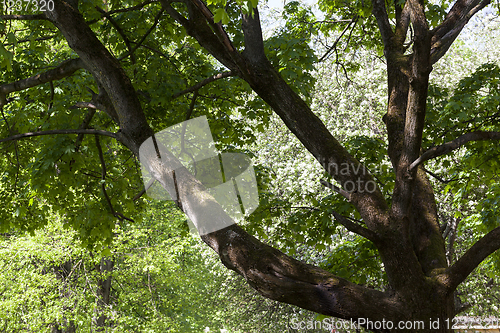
91, 186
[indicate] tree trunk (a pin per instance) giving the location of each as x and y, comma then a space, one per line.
104, 291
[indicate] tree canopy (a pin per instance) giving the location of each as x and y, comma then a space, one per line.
85, 83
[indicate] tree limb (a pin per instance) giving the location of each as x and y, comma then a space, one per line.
356, 228
445, 34
65, 69
254, 42
51, 132
337, 189
200, 26
139, 43
24, 17
203, 83
334, 46
279, 277
380, 13
106, 70
484, 247
103, 182
120, 32
402, 21
455, 144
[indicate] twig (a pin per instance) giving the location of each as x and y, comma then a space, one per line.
334, 46
119, 30
204, 83
84, 125
138, 44
356, 228
148, 185
344, 193
103, 183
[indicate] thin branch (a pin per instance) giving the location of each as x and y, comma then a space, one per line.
343, 192
484, 247
452, 232
84, 125
334, 46
65, 69
39, 39
50, 132
199, 85
440, 178
148, 185
191, 107
104, 103
356, 228
103, 183
83, 105
453, 145
120, 32
138, 44
129, 9
24, 17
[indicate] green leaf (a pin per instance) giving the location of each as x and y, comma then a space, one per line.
220, 15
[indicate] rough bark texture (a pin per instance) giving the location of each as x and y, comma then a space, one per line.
406, 234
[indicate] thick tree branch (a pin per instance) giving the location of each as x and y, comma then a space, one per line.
415, 112
106, 70
279, 277
484, 247
203, 83
52, 132
456, 19
295, 113
65, 69
254, 43
198, 28
402, 21
217, 27
453, 145
380, 13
